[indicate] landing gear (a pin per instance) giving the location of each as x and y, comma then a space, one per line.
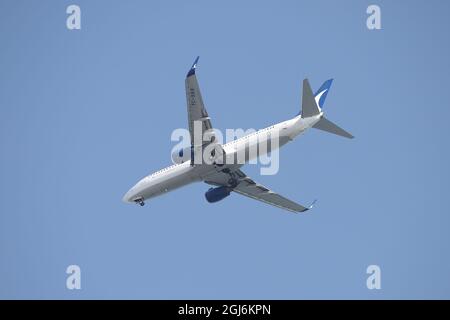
140, 202
233, 182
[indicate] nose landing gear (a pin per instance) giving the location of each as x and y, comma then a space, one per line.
140, 201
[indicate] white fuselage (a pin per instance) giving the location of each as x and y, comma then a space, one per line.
181, 174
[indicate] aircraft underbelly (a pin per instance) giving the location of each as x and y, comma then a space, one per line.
167, 184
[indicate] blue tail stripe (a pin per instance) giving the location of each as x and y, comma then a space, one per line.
324, 87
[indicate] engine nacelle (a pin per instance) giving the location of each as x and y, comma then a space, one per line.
182, 155
217, 194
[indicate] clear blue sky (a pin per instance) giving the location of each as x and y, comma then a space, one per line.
85, 114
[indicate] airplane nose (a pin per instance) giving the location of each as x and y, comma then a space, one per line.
127, 197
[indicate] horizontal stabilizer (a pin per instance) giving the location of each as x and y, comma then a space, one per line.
328, 126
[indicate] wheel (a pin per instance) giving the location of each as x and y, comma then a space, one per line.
142, 203
232, 182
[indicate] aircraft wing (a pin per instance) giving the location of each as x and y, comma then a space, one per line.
196, 109
249, 188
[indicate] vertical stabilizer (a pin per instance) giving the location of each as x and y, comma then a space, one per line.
309, 105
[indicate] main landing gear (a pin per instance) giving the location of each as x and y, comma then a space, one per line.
233, 180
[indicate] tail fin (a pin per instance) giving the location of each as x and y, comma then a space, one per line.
321, 94
326, 125
309, 104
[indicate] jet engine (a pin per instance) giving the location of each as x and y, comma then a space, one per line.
182, 155
217, 194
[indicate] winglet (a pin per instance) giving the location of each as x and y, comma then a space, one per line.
310, 206
192, 70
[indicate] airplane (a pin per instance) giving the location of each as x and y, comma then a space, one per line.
225, 176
